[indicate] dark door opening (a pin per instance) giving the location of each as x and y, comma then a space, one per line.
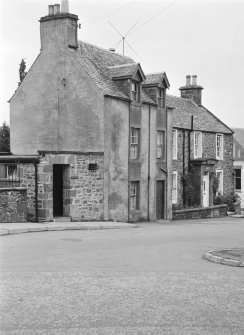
160, 200
57, 190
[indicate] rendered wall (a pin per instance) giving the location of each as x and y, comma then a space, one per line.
56, 107
116, 144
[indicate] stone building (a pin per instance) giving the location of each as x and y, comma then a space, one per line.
238, 156
202, 150
94, 129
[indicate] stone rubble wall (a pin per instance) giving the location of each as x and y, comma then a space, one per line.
27, 180
82, 188
13, 204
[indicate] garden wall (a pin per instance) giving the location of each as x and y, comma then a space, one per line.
13, 204
199, 213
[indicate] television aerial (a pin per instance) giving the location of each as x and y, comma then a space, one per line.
123, 38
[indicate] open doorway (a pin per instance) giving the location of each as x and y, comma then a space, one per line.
57, 190
160, 199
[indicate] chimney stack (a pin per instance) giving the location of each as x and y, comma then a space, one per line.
192, 91
65, 6
50, 10
58, 29
194, 80
188, 80
56, 9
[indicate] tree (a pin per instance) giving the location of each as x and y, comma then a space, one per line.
22, 72
4, 137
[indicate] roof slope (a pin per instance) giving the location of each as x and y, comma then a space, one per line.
102, 65
239, 135
204, 120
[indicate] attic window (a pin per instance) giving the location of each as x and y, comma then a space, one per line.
92, 167
161, 97
135, 91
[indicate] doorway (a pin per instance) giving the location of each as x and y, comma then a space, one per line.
57, 190
206, 189
160, 199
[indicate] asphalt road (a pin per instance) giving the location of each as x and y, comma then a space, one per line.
148, 280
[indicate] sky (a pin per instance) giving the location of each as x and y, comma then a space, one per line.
182, 37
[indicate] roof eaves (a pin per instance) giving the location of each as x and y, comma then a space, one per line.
117, 97
218, 119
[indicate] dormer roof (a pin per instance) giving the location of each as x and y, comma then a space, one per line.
156, 79
104, 67
126, 71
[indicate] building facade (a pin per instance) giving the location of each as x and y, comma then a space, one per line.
97, 127
238, 155
202, 150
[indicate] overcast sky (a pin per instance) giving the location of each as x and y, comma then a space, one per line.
205, 38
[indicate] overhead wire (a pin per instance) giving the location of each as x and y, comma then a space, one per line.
153, 17
164, 22
113, 12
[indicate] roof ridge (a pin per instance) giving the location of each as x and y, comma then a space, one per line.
101, 48
121, 65
152, 73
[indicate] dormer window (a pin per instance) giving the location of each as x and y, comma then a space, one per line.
161, 97
135, 91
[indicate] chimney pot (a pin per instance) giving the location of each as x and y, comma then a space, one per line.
50, 10
188, 80
194, 80
65, 6
56, 9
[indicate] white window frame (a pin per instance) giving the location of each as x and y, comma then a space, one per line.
221, 182
219, 148
175, 144
174, 187
160, 144
134, 195
197, 144
238, 189
134, 143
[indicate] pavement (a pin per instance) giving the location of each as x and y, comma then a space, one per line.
232, 257
31, 227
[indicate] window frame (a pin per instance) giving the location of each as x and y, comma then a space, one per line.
161, 145
175, 188
239, 178
175, 147
161, 97
135, 196
221, 182
197, 144
219, 155
134, 146
135, 91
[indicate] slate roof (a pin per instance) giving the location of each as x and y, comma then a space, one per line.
102, 65
154, 78
239, 135
204, 120
124, 70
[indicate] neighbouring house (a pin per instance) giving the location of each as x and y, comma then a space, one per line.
202, 150
238, 156
91, 134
